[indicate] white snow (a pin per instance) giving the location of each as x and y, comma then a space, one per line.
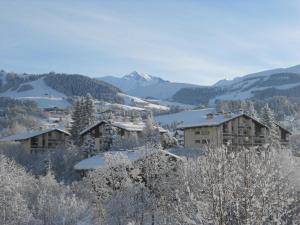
26, 135
134, 101
98, 161
144, 85
129, 126
41, 93
185, 117
169, 104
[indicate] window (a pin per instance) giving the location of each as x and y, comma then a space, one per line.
34, 141
197, 132
197, 141
205, 141
205, 132
49, 134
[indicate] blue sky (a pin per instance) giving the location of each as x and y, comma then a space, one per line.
187, 41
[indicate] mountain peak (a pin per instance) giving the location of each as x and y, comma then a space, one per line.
138, 76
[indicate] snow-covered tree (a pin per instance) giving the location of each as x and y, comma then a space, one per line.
88, 111
242, 187
151, 134
168, 141
251, 110
76, 126
15, 191
56, 204
267, 117
89, 145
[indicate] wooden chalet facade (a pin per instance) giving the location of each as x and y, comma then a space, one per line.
40, 140
102, 132
230, 130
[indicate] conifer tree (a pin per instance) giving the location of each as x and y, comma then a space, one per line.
76, 121
90, 109
267, 117
251, 111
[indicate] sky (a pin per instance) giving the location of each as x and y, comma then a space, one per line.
193, 41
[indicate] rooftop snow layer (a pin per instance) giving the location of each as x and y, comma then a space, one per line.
129, 126
98, 161
185, 117
27, 135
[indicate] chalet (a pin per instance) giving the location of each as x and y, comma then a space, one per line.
134, 156
283, 134
40, 140
102, 132
228, 129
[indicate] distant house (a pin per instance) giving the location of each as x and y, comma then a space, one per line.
102, 132
283, 134
179, 135
98, 161
40, 140
229, 129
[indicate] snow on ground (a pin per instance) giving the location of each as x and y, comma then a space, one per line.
105, 106
169, 104
137, 102
185, 117
42, 94
243, 95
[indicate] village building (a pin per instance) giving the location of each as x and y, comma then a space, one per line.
40, 140
229, 129
283, 134
103, 132
134, 156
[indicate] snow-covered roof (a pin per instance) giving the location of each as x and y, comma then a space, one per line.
98, 161
129, 126
217, 119
282, 128
184, 117
27, 135
91, 126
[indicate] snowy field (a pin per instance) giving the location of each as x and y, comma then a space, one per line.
185, 117
43, 95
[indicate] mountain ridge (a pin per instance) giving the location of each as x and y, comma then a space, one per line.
53, 89
145, 85
259, 85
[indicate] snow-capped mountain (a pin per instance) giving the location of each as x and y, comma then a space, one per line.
265, 84
56, 90
144, 85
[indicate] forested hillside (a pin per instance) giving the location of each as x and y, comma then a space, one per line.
55, 89
79, 85
256, 87
18, 115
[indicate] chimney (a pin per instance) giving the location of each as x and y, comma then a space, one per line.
209, 116
227, 115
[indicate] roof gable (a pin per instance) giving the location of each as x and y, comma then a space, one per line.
128, 126
28, 135
219, 119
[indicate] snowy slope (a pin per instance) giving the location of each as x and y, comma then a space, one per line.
42, 94
53, 89
265, 84
258, 75
144, 85
138, 102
